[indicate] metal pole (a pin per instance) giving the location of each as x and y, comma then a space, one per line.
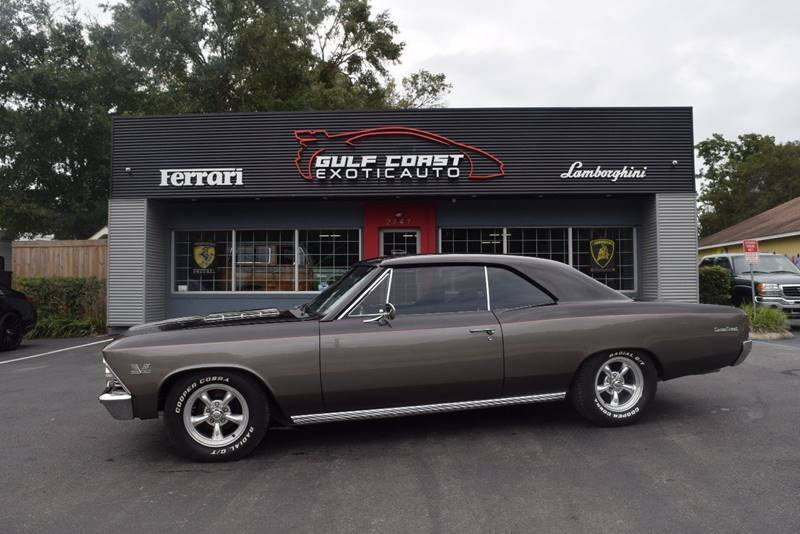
753, 290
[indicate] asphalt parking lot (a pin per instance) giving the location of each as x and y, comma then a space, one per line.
718, 453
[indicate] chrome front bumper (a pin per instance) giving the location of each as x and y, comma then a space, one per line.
118, 403
747, 346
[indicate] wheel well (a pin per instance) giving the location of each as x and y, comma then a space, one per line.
276, 413
650, 354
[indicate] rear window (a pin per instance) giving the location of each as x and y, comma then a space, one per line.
508, 290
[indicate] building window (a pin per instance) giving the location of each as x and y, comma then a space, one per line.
324, 256
472, 240
262, 260
605, 254
613, 262
265, 260
548, 243
203, 260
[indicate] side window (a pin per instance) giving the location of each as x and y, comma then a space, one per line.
373, 303
724, 262
508, 290
438, 289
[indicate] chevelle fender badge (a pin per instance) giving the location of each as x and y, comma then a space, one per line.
143, 369
721, 329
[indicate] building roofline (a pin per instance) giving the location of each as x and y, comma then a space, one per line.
739, 241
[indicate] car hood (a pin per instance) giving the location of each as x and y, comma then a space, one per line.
266, 315
772, 278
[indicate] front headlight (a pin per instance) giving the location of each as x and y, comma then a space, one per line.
112, 382
768, 290
109, 375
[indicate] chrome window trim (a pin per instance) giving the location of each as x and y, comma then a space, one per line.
486, 279
401, 411
364, 294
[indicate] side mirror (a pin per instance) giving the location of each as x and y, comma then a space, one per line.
388, 313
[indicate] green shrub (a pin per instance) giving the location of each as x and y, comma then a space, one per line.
715, 285
63, 327
766, 320
66, 307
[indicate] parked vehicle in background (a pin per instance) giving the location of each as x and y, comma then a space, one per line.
17, 317
415, 335
777, 281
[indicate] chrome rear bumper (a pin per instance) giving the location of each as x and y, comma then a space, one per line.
747, 346
118, 403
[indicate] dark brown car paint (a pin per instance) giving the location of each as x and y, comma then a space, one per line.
435, 358
416, 359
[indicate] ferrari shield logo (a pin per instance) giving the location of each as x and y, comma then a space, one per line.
602, 254
204, 254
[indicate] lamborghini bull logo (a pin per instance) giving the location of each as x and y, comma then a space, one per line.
204, 254
389, 153
602, 251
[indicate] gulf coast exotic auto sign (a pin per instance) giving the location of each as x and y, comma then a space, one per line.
377, 154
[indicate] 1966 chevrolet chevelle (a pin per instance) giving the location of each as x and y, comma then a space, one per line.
414, 335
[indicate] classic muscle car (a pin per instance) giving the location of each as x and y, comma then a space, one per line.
414, 335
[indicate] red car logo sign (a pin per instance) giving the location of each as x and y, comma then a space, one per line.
377, 153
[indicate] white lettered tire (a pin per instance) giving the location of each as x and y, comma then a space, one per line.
217, 415
614, 388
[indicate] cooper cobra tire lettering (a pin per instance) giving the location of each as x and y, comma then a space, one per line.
583, 397
176, 402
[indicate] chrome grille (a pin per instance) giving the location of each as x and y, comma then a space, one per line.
792, 291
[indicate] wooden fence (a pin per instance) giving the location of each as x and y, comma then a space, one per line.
59, 259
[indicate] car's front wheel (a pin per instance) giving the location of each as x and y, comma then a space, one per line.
614, 388
11, 331
216, 415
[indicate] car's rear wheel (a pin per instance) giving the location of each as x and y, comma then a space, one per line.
11, 331
614, 388
216, 415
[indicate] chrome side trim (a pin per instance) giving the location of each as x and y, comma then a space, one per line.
400, 411
747, 346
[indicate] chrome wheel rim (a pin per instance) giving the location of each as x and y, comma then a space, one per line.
618, 384
215, 415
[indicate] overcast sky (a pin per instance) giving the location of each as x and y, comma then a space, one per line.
737, 63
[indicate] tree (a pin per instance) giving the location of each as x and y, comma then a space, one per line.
264, 55
745, 177
61, 77
54, 125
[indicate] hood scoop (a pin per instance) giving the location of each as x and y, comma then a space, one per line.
265, 313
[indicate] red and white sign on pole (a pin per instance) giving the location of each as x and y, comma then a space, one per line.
750, 248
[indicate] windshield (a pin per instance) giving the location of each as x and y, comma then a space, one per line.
328, 298
766, 264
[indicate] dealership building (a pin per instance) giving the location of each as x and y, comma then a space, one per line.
233, 211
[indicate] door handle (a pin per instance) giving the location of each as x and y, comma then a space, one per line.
489, 331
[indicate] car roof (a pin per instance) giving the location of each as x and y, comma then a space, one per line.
439, 259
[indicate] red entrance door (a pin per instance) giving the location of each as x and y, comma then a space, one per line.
382, 220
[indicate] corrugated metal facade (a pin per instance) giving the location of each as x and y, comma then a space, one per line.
677, 246
126, 261
536, 146
156, 264
648, 236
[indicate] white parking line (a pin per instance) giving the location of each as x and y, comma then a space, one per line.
55, 351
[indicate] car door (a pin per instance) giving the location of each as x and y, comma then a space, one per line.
444, 344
